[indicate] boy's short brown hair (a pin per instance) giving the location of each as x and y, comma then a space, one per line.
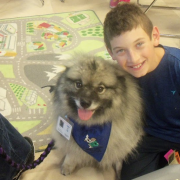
124, 18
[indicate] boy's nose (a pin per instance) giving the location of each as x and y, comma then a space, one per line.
133, 56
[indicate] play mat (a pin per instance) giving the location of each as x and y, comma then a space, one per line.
32, 53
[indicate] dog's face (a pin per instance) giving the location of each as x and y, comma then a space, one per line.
88, 89
94, 91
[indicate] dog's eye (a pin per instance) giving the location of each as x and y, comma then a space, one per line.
78, 84
101, 89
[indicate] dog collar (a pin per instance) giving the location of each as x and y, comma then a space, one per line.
93, 140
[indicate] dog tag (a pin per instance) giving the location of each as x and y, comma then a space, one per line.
64, 127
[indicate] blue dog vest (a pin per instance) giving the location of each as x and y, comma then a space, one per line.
93, 140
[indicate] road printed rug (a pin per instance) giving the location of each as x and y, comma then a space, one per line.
33, 51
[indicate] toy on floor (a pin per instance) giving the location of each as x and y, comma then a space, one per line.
114, 3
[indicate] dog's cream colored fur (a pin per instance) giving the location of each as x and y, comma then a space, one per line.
125, 114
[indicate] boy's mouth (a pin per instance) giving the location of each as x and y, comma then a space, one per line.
138, 66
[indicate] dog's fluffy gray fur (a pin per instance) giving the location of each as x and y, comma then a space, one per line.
113, 95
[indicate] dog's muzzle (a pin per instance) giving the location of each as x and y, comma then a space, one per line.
85, 103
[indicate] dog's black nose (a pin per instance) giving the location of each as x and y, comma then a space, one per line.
85, 104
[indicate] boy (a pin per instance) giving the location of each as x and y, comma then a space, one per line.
133, 41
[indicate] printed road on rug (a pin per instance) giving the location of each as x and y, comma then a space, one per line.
32, 53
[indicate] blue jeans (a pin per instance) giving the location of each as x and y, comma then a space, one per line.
150, 157
14, 145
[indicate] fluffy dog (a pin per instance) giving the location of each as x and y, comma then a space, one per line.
104, 104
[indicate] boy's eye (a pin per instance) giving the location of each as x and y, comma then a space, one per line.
121, 51
139, 44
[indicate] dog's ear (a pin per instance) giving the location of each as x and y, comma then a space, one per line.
67, 64
121, 75
119, 71
122, 81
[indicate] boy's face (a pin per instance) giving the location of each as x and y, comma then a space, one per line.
135, 52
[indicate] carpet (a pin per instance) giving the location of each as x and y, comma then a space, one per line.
33, 51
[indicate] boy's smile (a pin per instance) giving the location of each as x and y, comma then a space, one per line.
135, 52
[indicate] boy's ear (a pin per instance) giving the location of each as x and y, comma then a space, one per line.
155, 36
110, 53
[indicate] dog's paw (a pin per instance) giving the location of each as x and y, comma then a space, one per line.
66, 170
117, 168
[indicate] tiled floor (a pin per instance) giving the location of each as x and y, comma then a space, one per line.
166, 20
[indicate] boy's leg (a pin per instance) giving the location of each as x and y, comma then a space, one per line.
16, 146
150, 157
144, 164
